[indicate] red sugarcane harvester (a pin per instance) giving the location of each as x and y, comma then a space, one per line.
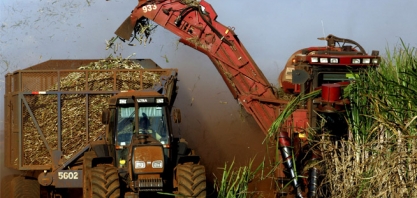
327, 68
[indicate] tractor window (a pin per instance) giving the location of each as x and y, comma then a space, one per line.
112, 125
152, 121
127, 112
125, 125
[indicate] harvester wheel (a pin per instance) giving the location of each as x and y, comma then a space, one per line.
25, 188
191, 180
87, 163
105, 181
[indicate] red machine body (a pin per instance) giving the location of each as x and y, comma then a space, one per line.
327, 68
241, 74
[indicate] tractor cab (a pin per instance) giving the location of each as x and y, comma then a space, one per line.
152, 122
138, 131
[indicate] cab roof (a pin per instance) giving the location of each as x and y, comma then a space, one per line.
137, 94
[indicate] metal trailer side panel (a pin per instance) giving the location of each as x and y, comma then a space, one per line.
10, 136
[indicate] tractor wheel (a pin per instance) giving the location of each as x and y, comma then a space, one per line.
105, 181
25, 188
191, 180
87, 163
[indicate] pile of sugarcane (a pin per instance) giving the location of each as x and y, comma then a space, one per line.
80, 113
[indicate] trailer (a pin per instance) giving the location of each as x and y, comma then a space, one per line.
55, 133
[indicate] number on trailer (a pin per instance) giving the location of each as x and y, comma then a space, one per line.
67, 175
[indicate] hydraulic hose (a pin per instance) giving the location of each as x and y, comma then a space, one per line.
312, 184
287, 157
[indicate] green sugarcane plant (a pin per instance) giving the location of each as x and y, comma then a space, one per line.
379, 160
234, 182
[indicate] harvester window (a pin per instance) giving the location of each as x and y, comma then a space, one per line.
330, 78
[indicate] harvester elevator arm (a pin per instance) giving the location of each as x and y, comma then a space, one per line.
195, 23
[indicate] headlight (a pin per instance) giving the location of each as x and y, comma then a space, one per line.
159, 100
334, 60
157, 164
140, 164
324, 60
356, 60
375, 61
314, 59
366, 61
122, 162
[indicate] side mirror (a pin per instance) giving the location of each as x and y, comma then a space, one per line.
105, 115
176, 115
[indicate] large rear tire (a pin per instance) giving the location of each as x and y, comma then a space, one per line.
105, 181
191, 180
25, 188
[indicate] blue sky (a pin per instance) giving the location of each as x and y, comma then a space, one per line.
37, 30
33, 31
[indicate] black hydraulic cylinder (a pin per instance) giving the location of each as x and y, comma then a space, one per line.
312, 184
287, 156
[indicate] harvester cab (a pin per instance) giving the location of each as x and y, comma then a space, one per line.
330, 69
338, 62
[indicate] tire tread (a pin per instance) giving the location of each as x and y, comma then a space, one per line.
105, 181
191, 180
